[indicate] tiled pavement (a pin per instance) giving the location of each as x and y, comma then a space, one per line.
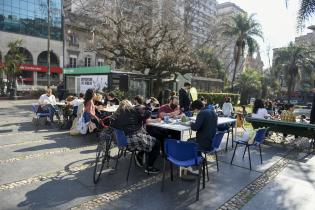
49, 169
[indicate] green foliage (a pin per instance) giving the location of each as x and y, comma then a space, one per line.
245, 29
213, 66
294, 63
13, 59
306, 10
249, 84
218, 98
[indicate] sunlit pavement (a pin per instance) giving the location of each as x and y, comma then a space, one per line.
49, 169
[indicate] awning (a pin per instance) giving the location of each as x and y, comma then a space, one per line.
32, 68
87, 70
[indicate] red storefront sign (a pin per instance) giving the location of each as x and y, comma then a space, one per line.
30, 67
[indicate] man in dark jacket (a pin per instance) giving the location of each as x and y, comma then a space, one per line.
205, 125
184, 97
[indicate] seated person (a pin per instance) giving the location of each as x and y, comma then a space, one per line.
76, 103
112, 100
259, 110
89, 108
153, 105
171, 109
138, 105
98, 100
205, 125
130, 120
287, 115
47, 104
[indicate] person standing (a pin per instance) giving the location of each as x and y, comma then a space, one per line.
227, 108
184, 97
61, 91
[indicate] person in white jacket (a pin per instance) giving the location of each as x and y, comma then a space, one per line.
227, 108
47, 102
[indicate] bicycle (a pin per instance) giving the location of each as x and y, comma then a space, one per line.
103, 151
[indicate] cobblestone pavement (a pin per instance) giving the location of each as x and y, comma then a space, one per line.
48, 169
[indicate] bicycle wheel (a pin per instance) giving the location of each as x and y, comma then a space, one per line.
99, 163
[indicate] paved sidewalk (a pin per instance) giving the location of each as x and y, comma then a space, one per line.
49, 169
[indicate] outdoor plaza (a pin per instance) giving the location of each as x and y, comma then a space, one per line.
49, 169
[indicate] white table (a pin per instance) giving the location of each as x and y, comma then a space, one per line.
182, 128
60, 104
110, 109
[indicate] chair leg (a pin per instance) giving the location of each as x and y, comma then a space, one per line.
261, 161
216, 159
198, 183
116, 164
163, 179
172, 175
234, 153
227, 141
232, 137
203, 174
250, 161
130, 162
244, 152
207, 167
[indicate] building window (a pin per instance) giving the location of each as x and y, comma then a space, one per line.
73, 62
29, 17
87, 61
100, 62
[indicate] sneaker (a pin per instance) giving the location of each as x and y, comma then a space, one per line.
152, 170
139, 161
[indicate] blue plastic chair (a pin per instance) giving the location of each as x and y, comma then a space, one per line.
38, 114
122, 144
258, 140
184, 154
216, 142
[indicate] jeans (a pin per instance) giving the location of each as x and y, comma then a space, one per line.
51, 110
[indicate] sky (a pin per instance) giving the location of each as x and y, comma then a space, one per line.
278, 22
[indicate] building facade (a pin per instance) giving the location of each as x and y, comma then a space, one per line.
27, 20
224, 13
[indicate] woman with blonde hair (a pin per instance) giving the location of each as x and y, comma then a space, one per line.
130, 120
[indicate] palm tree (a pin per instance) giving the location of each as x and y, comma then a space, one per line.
306, 10
294, 61
245, 29
11, 68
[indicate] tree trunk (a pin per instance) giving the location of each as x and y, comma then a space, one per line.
289, 89
237, 60
244, 98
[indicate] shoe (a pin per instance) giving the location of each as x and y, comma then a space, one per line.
152, 170
139, 161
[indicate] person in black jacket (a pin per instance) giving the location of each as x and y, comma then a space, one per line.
184, 97
130, 120
205, 125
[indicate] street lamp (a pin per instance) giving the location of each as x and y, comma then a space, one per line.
48, 43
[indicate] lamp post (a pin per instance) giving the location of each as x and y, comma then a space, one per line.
48, 44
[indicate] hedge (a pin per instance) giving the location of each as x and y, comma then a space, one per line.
218, 98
